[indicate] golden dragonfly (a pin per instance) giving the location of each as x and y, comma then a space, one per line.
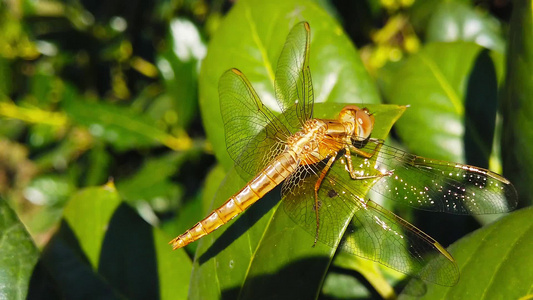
299, 151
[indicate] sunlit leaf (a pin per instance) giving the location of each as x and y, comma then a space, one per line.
452, 22
88, 213
494, 261
251, 38
129, 259
421, 12
451, 89
133, 256
174, 269
48, 193
98, 170
179, 67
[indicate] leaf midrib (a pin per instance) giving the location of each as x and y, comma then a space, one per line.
262, 49
504, 259
445, 85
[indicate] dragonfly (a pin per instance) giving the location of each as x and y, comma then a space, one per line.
327, 166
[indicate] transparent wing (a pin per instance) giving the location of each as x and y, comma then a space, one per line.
371, 231
294, 89
436, 185
254, 136
299, 203
379, 235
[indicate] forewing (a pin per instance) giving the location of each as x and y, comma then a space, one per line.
293, 85
254, 136
441, 186
369, 230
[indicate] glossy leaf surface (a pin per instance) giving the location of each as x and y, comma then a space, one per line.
452, 89
131, 255
250, 39
494, 261
265, 240
88, 214
456, 21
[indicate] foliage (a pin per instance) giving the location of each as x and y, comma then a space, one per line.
110, 125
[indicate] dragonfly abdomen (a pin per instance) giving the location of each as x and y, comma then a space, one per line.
268, 178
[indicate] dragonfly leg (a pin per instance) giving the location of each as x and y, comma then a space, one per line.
353, 149
317, 187
350, 169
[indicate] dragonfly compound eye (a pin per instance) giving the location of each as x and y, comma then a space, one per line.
365, 124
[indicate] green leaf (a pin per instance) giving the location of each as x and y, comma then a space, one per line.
452, 90
494, 261
243, 256
42, 135
517, 136
18, 255
49, 193
120, 126
152, 183
45, 88
88, 213
421, 11
133, 257
239, 257
452, 22
178, 65
343, 285
174, 268
99, 165
251, 38
137, 262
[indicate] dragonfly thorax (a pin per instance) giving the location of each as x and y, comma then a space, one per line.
306, 142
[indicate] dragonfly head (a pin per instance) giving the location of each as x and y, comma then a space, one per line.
359, 121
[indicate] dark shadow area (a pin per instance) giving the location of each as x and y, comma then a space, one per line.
298, 280
445, 228
128, 258
63, 272
94, 71
368, 19
413, 289
127, 266
243, 222
481, 104
360, 278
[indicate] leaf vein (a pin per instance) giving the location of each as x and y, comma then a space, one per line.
448, 89
502, 261
262, 49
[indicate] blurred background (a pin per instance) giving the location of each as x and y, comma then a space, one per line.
93, 92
